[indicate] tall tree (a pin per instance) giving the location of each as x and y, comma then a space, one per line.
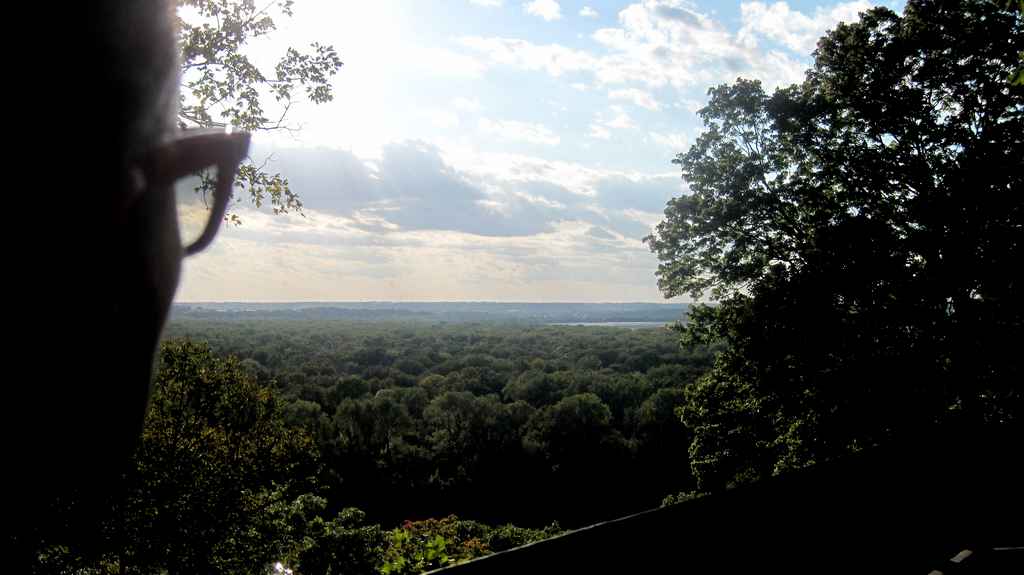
216, 474
222, 86
860, 233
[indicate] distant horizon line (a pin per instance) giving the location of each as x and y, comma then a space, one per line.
428, 301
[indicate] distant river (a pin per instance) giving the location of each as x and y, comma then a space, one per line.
628, 324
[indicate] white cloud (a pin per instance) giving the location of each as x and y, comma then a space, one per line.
637, 96
463, 104
619, 119
560, 106
540, 200
442, 62
647, 218
547, 9
442, 118
579, 86
691, 105
791, 28
588, 12
668, 43
506, 168
599, 132
676, 143
615, 119
487, 3
551, 58
586, 247
519, 131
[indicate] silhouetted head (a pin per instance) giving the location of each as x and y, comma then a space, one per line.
98, 253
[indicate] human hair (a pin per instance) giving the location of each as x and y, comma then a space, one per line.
135, 67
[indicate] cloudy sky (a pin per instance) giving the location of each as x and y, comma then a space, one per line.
501, 150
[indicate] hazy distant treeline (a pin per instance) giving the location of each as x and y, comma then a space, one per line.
436, 311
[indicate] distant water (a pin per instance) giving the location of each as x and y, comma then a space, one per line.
627, 324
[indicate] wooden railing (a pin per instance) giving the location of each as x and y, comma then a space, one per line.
911, 508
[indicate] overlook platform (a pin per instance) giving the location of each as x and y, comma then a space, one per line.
945, 503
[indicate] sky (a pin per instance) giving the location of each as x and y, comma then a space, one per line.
493, 150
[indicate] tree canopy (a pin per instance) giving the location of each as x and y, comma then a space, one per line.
861, 233
224, 479
214, 485
422, 420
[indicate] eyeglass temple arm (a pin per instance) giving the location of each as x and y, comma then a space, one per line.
221, 195
194, 153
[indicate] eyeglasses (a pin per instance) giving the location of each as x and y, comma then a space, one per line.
198, 162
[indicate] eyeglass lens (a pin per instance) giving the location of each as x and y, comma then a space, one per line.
194, 199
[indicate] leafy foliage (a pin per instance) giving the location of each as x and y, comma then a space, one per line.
681, 497
345, 544
860, 232
216, 474
419, 546
221, 86
1017, 77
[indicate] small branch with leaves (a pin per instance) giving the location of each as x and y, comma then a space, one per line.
222, 87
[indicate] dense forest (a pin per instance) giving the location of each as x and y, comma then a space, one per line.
356, 447
493, 422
